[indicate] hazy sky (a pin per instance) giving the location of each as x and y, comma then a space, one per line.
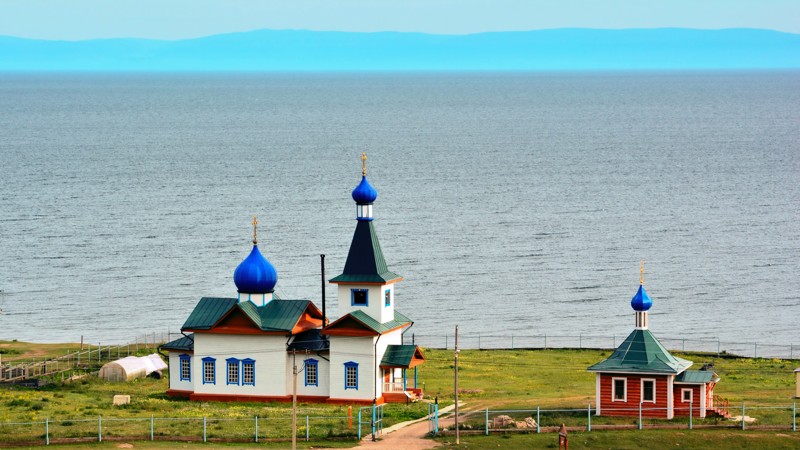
176, 19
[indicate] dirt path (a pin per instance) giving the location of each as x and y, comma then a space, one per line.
409, 436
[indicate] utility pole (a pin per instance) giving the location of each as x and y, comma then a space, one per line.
456, 385
294, 400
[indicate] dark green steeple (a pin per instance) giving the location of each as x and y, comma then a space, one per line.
365, 262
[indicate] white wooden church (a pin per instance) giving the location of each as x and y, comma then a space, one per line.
245, 348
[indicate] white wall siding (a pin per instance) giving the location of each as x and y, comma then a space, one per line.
175, 372
267, 351
357, 349
376, 299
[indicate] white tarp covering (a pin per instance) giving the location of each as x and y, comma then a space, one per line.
132, 367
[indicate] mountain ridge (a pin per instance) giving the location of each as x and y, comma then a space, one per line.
302, 50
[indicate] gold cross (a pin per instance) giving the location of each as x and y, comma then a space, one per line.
641, 273
364, 163
255, 229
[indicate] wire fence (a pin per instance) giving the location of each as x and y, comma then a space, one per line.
75, 364
204, 429
497, 341
537, 420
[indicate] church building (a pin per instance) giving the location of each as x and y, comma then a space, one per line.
641, 371
246, 348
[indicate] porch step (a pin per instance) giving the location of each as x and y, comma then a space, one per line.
716, 412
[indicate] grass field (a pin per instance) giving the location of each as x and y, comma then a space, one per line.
494, 379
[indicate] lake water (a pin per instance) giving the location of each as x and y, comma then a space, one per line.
518, 203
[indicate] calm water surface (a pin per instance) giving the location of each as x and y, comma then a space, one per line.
510, 203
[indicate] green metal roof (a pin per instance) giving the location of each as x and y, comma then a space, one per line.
398, 355
641, 352
365, 262
368, 322
185, 343
695, 376
282, 314
208, 312
398, 321
277, 315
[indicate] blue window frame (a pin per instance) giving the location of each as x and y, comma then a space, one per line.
312, 372
185, 369
387, 294
351, 375
359, 297
248, 372
233, 371
209, 370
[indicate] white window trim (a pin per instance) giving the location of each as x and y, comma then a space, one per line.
641, 390
614, 390
691, 395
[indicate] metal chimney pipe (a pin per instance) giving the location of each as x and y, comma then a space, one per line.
322, 264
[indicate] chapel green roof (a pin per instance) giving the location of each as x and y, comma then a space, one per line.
641, 353
369, 323
695, 376
277, 315
365, 262
185, 343
398, 355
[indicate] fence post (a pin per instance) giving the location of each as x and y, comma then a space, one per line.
359, 424
306, 428
691, 406
436, 416
256, 436
373, 421
46, 431
640, 415
589, 416
487, 422
718, 347
99, 428
538, 427
152, 427
683, 346
794, 416
742, 415
204, 430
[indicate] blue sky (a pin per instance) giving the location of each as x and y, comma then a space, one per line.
177, 19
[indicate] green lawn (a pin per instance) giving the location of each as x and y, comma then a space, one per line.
494, 379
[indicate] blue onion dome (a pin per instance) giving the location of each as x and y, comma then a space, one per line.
255, 275
641, 301
364, 193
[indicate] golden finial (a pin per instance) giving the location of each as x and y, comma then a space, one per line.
364, 163
255, 230
641, 273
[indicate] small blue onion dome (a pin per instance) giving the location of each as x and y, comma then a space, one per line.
641, 301
255, 275
364, 193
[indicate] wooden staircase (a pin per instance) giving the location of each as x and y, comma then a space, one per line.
720, 409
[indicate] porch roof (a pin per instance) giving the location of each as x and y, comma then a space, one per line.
404, 356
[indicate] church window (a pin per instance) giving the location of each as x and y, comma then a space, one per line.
359, 297
388, 298
186, 367
233, 370
351, 375
649, 391
618, 389
312, 372
209, 370
248, 372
